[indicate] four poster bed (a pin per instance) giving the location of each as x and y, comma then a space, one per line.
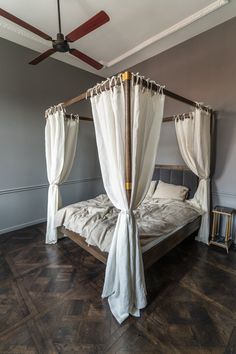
154, 244
128, 229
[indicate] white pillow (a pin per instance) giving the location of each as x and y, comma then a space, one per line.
170, 191
151, 189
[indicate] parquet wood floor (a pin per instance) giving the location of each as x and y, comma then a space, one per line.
50, 301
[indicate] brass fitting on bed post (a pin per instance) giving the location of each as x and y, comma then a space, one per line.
128, 186
126, 76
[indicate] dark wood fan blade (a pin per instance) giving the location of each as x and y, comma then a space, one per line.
94, 22
24, 24
95, 64
43, 56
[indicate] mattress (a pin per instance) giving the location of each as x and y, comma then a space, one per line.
95, 220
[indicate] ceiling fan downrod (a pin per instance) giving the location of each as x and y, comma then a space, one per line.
59, 15
60, 44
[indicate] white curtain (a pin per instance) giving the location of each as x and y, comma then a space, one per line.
124, 279
194, 139
60, 142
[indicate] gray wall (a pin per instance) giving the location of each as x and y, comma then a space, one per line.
25, 92
202, 69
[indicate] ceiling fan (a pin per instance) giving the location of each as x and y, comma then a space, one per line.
61, 43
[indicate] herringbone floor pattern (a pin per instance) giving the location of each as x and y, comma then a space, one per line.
50, 301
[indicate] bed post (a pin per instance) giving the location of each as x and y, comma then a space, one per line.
212, 164
126, 78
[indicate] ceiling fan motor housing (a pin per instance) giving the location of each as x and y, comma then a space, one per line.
60, 44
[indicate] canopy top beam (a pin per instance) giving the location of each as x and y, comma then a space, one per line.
127, 75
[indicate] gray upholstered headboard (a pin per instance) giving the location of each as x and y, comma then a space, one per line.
179, 175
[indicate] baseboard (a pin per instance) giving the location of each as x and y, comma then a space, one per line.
22, 226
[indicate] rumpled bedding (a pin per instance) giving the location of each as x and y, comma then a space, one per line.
95, 219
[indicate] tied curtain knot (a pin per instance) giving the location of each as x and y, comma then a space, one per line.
128, 212
205, 179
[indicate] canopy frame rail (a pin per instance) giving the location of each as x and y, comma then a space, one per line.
127, 75
165, 119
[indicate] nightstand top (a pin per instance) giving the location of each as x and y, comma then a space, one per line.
223, 210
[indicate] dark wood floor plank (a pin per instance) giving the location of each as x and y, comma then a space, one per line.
32, 257
231, 346
5, 271
217, 285
12, 305
18, 341
133, 341
17, 240
78, 324
50, 301
217, 257
27, 338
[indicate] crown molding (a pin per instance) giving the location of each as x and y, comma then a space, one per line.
10, 27
178, 26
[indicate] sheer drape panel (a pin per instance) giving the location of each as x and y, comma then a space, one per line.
108, 114
124, 279
60, 141
194, 139
147, 113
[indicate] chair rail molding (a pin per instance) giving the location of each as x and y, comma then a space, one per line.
42, 186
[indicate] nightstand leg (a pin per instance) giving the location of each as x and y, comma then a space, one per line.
227, 233
227, 229
218, 225
230, 227
213, 227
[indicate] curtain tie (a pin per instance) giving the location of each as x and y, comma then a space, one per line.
53, 184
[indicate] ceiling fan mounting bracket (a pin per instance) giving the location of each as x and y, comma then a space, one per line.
60, 44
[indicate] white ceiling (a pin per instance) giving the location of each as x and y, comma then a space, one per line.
138, 29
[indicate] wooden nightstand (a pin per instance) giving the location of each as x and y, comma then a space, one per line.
222, 227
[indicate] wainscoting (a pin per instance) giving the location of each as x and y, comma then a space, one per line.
27, 205
225, 199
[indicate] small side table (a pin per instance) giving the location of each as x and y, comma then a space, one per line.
222, 227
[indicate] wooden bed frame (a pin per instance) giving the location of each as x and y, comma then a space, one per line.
168, 173
152, 255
